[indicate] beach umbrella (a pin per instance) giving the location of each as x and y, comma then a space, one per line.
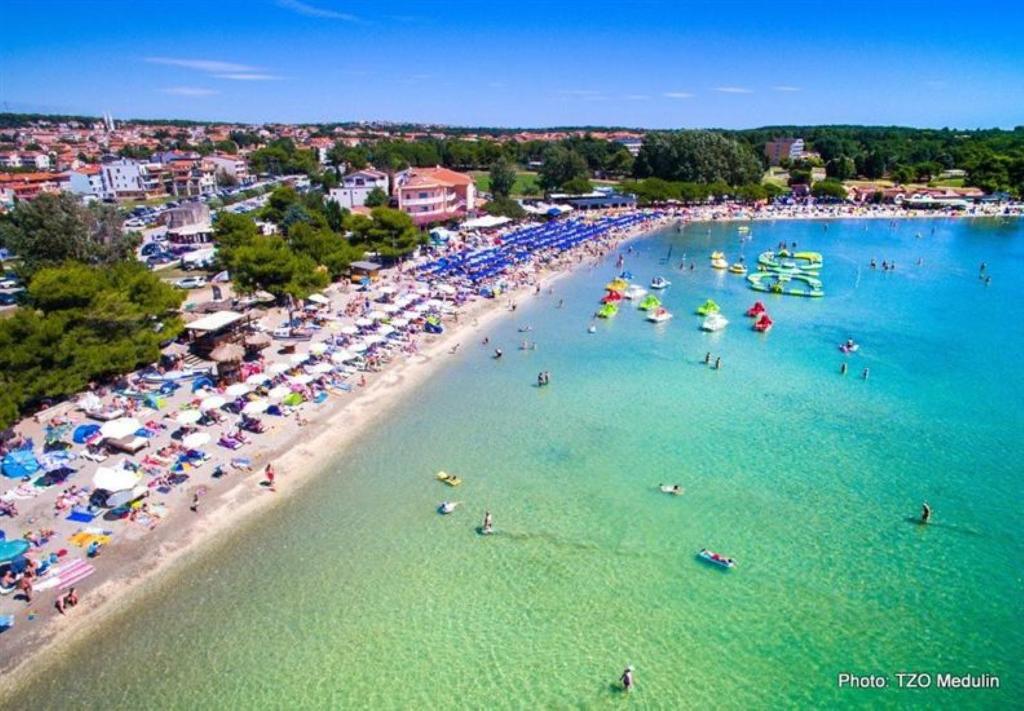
390, 308
115, 479
9, 550
255, 407
301, 379
196, 440
386, 330
299, 358
364, 322
376, 315
83, 433
188, 417
278, 368
446, 289
237, 390
374, 339
227, 353
318, 299
19, 464
257, 379
399, 322
321, 368
348, 330
278, 393
121, 427
212, 403
318, 348
384, 290
357, 347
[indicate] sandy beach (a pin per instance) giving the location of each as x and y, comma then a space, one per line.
137, 565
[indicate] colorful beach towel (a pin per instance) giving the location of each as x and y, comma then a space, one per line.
81, 517
83, 539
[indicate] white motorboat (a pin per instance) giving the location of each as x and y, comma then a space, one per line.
714, 322
660, 283
635, 291
659, 315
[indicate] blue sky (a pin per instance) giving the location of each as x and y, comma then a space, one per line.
645, 64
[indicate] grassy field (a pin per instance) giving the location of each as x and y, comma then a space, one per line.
526, 182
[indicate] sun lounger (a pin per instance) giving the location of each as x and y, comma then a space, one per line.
130, 444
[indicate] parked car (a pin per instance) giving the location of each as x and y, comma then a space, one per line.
192, 282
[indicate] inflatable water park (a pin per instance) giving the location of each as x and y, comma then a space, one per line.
783, 272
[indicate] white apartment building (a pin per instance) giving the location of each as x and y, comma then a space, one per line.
356, 186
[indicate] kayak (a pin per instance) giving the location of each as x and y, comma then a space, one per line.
670, 489
449, 479
716, 558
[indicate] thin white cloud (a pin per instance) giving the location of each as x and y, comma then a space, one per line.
312, 11
202, 65
785, 88
733, 90
189, 91
248, 77
636, 97
677, 95
579, 92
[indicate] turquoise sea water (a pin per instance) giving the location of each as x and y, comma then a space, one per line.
356, 594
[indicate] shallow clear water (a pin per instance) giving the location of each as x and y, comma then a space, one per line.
356, 594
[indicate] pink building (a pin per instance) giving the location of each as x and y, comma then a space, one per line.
434, 194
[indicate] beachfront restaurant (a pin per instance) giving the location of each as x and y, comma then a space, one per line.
364, 270
207, 333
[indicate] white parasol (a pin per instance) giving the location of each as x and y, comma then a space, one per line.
121, 427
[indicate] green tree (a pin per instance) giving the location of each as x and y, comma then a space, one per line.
829, 189
503, 178
376, 198
55, 228
84, 323
577, 186
619, 163
505, 207
697, 156
393, 234
560, 166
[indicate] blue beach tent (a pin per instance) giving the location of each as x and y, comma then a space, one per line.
84, 432
19, 464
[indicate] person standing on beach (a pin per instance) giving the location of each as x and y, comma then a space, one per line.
718, 363
707, 358
926, 512
269, 474
195, 503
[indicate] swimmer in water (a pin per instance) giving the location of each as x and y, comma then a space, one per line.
926, 512
707, 358
865, 374
718, 363
843, 368
497, 353
627, 679
488, 526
